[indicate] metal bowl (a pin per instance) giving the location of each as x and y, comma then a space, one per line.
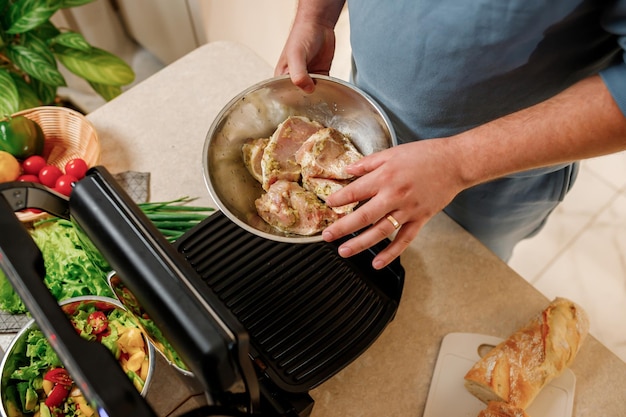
19, 341
256, 112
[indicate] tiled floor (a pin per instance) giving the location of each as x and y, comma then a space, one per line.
581, 253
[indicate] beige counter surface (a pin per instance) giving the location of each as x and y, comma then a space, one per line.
452, 284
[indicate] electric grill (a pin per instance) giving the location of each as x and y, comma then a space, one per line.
259, 323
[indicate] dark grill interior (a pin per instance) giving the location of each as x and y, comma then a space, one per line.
308, 312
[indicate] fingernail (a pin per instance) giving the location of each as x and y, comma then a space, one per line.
345, 252
327, 236
378, 264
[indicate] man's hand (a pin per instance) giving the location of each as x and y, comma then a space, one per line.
310, 47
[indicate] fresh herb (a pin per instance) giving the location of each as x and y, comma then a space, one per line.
174, 218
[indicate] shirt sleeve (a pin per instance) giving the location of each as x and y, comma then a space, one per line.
614, 76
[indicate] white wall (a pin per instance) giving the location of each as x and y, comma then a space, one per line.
262, 25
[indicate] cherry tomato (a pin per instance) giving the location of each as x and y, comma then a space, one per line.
103, 334
33, 164
98, 322
28, 178
58, 394
76, 167
49, 175
59, 376
64, 184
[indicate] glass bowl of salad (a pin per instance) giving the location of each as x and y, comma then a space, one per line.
35, 383
149, 327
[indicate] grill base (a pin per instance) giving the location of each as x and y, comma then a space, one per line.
308, 312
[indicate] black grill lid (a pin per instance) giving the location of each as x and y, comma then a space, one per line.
308, 312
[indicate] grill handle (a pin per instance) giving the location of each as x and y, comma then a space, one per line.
208, 337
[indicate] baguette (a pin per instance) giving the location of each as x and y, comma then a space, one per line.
500, 409
517, 369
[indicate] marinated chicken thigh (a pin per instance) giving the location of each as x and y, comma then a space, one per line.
323, 158
299, 166
323, 187
290, 208
278, 162
253, 154
325, 154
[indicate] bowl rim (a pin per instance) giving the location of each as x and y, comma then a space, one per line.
227, 108
153, 342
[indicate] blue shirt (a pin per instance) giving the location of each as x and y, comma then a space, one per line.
440, 67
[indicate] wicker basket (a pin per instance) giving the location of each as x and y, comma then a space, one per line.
68, 135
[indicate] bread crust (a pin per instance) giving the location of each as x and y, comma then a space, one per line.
517, 369
501, 409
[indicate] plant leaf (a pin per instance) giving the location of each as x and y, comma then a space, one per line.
35, 43
3, 6
47, 93
72, 40
73, 3
46, 30
9, 99
27, 96
107, 92
97, 66
25, 15
35, 65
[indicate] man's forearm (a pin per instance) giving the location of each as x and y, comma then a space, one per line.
580, 122
325, 12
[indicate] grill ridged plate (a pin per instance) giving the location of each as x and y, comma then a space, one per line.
308, 311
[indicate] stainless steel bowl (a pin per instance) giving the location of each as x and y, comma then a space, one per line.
19, 340
256, 112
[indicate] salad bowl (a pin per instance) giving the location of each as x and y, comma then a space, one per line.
34, 382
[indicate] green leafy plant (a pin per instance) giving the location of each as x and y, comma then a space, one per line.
31, 47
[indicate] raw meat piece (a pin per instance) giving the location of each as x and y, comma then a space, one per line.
323, 158
290, 208
252, 155
278, 162
326, 154
323, 187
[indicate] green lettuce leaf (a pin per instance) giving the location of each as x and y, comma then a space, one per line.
70, 271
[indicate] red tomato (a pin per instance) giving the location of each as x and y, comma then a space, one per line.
76, 167
28, 178
98, 322
49, 175
58, 394
103, 334
64, 184
59, 376
33, 164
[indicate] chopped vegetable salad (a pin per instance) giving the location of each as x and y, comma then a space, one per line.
34, 381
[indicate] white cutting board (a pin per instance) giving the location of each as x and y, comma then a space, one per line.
448, 397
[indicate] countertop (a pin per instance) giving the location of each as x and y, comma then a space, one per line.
452, 284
